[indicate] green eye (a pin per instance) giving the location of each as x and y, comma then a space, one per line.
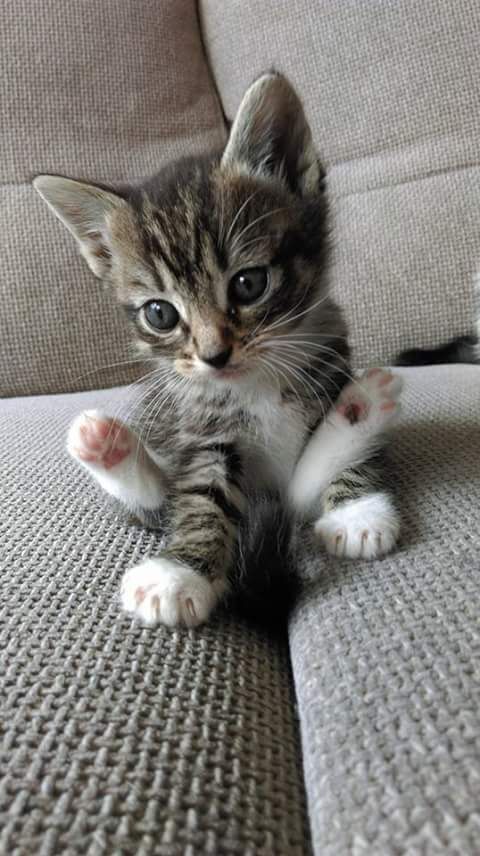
161, 315
247, 286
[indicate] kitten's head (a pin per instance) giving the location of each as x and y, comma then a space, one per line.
215, 259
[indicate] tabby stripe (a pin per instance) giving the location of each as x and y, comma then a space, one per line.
157, 249
197, 256
217, 496
220, 255
232, 458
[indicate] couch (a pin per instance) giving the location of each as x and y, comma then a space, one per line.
353, 728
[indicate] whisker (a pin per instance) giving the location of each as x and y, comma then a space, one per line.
112, 365
242, 247
154, 407
285, 377
254, 331
314, 345
270, 372
284, 315
254, 222
353, 380
237, 215
291, 352
154, 377
333, 368
289, 319
305, 380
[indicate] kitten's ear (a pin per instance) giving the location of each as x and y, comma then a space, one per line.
85, 210
270, 136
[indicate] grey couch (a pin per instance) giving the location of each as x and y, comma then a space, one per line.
356, 731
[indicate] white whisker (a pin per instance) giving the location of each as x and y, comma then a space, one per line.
254, 223
237, 215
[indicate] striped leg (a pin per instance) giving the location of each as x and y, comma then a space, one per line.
359, 517
184, 584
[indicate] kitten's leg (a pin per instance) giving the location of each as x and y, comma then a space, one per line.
184, 584
117, 460
350, 433
359, 517
341, 467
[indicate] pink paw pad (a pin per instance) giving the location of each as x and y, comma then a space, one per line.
99, 440
354, 411
376, 392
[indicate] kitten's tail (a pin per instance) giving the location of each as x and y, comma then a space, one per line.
265, 585
463, 349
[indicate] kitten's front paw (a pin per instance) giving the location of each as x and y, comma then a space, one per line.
163, 591
372, 399
99, 441
363, 528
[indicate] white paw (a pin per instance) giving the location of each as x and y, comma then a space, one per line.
99, 441
372, 400
163, 591
363, 528
116, 459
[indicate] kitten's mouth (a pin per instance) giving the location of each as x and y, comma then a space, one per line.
229, 372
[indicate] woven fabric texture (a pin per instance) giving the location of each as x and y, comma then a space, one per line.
118, 739
392, 90
108, 91
386, 655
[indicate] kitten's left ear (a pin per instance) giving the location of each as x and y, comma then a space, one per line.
271, 137
85, 210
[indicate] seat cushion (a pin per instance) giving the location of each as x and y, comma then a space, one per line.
104, 91
392, 92
120, 738
386, 654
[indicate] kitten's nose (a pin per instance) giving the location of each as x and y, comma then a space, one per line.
220, 359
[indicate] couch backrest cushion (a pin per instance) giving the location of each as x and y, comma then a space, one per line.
393, 93
103, 90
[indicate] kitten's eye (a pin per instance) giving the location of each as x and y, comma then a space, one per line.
247, 286
161, 315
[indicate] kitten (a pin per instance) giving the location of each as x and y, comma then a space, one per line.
463, 349
221, 265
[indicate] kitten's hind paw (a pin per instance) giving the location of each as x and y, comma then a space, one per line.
164, 591
98, 440
373, 399
364, 528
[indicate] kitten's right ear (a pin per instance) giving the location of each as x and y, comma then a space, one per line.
85, 210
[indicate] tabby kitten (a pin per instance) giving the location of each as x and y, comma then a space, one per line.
220, 263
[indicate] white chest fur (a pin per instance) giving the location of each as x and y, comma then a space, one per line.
276, 442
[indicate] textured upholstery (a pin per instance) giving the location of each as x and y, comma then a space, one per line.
117, 738
392, 89
386, 655
107, 91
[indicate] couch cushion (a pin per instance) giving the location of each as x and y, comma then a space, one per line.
107, 91
119, 738
386, 654
392, 90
